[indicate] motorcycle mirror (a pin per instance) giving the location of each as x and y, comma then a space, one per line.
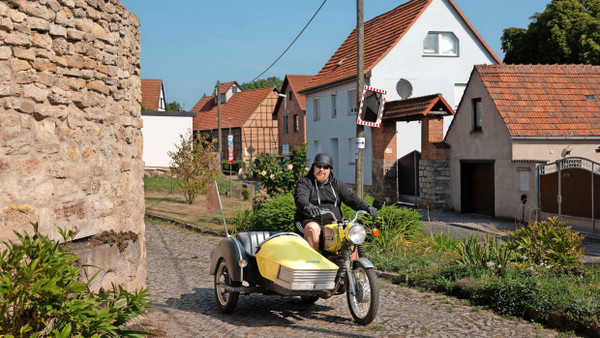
375, 232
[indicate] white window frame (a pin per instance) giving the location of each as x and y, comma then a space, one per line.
352, 102
317, 109
438, 36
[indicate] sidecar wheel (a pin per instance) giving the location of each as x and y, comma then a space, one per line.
225, 300
364, 304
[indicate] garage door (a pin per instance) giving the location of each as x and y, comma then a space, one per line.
477, 187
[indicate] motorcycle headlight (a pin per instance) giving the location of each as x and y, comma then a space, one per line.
357, 234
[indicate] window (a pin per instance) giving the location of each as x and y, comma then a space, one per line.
285, 124
333, 105
352, 101
317, 108
296, 123
353, 155
476, 112
440, 43
317, 146
290, 96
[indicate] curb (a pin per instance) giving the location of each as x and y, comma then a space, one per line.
183, 225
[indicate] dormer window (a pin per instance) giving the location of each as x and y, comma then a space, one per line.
440, 43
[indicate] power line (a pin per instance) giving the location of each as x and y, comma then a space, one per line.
302, 31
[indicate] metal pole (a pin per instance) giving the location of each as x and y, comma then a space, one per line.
360, 82
285, 119
220, 144
593, 216
537, 192
228, 159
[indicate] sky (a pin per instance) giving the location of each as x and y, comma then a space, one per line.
192, 44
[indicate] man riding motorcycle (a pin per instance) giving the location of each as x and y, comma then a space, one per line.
319, 189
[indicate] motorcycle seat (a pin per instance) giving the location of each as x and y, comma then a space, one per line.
251, 240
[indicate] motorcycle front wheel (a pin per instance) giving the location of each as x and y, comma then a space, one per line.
225, 300
365, 303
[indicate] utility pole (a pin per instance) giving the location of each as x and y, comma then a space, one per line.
360, 83
220, 144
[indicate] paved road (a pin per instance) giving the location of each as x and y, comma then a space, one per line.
184, 305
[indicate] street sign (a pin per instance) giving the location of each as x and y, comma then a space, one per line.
250, 150
286, 149
230, 149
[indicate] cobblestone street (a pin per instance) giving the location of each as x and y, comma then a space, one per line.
181, 290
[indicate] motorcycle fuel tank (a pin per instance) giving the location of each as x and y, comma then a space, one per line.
290, 262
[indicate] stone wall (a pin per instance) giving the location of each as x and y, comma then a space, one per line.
434, 184
70, 124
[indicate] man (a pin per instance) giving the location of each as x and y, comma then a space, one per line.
319, 189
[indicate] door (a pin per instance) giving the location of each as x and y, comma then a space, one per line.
477, 187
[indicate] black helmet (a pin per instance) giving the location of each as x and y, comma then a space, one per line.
323, 158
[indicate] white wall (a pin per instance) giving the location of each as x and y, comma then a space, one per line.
429, 74
160, 134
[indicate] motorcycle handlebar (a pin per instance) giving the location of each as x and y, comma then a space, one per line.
325, 212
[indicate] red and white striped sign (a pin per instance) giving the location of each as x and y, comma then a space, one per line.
377, 123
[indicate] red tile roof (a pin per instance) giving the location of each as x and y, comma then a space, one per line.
416, 107
226, 85
545, 100
381, 34
239, 108
151, 93
296, 83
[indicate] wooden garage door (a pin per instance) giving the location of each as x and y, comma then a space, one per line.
477, 187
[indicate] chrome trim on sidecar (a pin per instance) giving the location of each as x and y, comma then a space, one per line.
305, 279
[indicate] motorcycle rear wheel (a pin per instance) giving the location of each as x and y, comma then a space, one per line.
225, 300
365, 303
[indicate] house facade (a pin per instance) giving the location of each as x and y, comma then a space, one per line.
248, 115
420, 48
162, 129
512, 118
290, 112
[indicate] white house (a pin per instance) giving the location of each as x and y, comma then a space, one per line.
420, 48
161, 128
161, 132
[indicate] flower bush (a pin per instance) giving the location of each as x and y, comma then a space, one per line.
280, 175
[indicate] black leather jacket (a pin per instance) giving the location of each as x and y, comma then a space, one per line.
327, 195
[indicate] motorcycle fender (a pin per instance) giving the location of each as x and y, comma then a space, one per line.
231, 250
365, 263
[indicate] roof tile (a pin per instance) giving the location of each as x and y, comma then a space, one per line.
545, 100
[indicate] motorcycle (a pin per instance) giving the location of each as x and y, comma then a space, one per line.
282, 263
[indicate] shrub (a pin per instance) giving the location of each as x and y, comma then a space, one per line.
242, 221
41, 295
194, 164
274, 214
549, 243
396, 226
246, 194
280, 175
489, 252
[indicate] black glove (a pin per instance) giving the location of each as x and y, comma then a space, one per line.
313, 210
372, 211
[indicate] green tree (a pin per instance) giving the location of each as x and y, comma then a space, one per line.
567, 32
194, 164
174, 106
263, 83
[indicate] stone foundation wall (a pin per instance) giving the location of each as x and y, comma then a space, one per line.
70, 123
434, 184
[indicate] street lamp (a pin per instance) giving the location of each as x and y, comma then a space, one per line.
285, 148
